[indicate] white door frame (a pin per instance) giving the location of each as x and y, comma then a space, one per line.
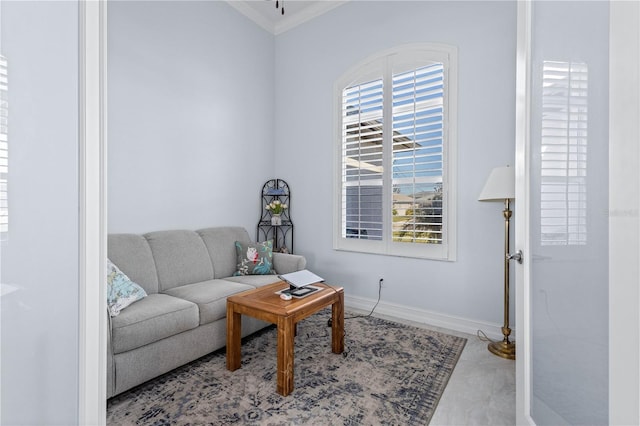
624, 213
92, 321
522, 227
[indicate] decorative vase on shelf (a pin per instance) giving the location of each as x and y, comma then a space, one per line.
276, 220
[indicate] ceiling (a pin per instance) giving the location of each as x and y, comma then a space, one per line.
296, 12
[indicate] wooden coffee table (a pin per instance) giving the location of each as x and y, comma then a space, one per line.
264, 304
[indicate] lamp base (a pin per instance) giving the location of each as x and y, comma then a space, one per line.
503, 349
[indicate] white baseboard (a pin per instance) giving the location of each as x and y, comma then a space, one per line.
463, 325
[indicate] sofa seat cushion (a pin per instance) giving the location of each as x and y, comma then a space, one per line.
210, 296
153, 318
254, 280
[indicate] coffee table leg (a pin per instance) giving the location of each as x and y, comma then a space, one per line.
234, 328
285, 355
337, 325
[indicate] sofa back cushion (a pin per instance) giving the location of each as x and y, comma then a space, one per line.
132, 254
220, 243
181, 258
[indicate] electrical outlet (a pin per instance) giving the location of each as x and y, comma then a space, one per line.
381, 282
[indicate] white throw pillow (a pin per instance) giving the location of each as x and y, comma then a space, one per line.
121, 291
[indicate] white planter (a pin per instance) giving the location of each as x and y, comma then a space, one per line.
276, 220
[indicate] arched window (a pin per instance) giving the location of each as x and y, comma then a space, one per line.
395, 153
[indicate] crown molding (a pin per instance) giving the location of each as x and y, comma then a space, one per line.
306, 14
288, 21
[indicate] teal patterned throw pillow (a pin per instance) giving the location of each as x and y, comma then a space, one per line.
121, 291
254, 258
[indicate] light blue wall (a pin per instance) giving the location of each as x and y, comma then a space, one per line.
311, 57
39, 255
203, 109
190, 116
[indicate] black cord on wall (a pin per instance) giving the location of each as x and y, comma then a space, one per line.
373, 309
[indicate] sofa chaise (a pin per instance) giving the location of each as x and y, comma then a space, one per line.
187, 276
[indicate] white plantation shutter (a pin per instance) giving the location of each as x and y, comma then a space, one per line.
563, 188
396, 154
4, 146
362, 169
418, 127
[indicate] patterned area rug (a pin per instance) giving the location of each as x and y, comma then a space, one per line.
390, 373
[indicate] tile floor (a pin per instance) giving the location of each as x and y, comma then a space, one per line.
482, 388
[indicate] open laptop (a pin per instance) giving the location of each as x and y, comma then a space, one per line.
300, 282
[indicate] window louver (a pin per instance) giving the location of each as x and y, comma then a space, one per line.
4, 146
362, 136
418, 126
563, 188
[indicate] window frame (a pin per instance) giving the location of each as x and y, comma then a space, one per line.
384, 65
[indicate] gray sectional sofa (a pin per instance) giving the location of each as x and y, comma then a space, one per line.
187, 276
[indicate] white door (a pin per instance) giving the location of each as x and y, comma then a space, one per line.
569, 178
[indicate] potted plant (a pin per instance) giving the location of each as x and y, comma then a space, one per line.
276, 208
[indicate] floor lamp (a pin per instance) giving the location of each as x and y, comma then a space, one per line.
500, 186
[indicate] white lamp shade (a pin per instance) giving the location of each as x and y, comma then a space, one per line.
500, 185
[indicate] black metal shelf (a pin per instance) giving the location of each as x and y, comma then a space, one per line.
282, 235
268, 223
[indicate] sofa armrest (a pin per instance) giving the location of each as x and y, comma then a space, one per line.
285, 263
